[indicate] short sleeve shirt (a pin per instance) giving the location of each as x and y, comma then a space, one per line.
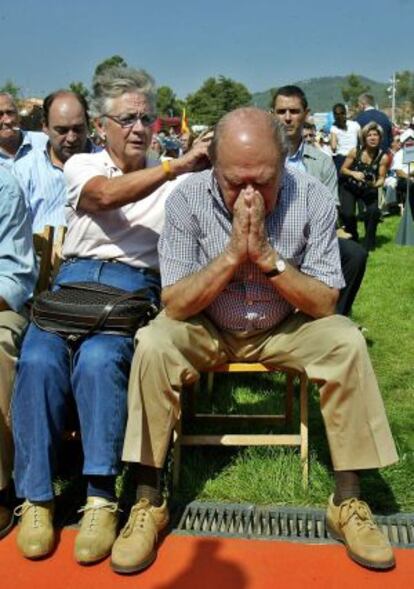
347, 138
128, 234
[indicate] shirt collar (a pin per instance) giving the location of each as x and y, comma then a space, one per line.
298, 155
90, 148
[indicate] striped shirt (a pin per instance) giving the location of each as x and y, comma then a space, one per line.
301, 229
44, 187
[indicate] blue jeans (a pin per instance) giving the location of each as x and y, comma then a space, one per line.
98, 382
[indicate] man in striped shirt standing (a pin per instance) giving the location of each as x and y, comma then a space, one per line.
251, 271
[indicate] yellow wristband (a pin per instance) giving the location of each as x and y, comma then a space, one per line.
167, 169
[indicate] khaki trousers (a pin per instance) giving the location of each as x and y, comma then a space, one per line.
12, 326
331, 350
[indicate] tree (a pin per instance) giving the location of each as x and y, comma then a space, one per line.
11, 88
167, 102
115, 60
353, 89
215, 98
79, 88
405, 86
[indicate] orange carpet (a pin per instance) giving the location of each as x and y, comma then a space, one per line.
207, 563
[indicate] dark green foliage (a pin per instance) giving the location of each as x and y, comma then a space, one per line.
215, 98
115, 60
353, 88
79, 88
167, 102
11, 88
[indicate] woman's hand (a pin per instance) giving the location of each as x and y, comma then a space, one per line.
359, 176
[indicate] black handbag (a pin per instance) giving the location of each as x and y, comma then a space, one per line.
79, 309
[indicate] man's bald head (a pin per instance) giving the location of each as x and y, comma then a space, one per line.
248, 150
247, 126
66, 124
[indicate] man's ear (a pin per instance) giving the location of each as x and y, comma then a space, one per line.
45, 128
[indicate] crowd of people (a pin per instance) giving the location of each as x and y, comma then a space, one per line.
233, 236
368, 155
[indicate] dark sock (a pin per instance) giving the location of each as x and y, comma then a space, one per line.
346, 485
101, 486
148, 479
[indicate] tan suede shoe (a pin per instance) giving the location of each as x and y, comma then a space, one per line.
135, 547
98, 530
35, 536
353, 524
6, 521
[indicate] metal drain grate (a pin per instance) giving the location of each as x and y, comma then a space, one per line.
276, 523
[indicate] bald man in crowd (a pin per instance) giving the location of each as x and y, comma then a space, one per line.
40, 173
251, 272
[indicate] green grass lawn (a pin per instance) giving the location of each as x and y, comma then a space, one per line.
273, 475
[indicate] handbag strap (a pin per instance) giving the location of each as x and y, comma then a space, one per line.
109, 307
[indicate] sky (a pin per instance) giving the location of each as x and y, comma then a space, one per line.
45, 44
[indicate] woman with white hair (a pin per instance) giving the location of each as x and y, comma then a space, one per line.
115, 213
364, 171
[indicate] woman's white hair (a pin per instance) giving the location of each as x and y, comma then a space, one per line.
114, 82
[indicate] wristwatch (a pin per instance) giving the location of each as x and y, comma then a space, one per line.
279, 267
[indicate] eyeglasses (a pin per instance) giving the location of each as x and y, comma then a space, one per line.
127, 121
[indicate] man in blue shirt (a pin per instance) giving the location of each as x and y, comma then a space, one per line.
14, 142
17, 280
40, 173
368, 114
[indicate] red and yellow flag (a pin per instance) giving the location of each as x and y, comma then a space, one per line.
184, 123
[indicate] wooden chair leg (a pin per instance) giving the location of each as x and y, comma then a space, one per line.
304, 430
210, 386
289, 398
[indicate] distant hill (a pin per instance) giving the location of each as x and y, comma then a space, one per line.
323, 93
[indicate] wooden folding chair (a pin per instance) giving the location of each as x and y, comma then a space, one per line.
43, 246
299, 439
60, 233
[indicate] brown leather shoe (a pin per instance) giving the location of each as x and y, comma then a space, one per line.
135, 547
98, 530
353, 524
6, 521
35, 536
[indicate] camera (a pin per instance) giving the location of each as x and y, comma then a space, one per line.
369, 178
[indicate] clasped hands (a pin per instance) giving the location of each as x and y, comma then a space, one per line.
249, 239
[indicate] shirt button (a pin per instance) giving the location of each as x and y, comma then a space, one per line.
250, 303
